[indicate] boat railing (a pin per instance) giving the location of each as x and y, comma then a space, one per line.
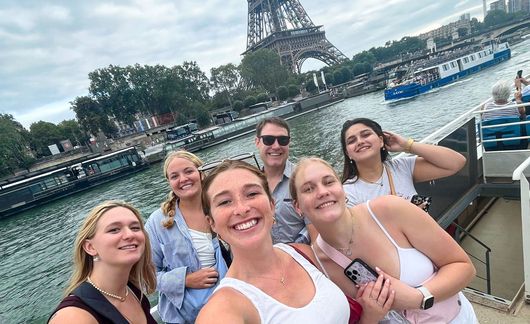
518, 175
487, 250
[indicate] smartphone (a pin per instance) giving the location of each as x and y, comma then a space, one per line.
520, 73
422, 200
359, 272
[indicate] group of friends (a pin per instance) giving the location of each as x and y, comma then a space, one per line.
236, 244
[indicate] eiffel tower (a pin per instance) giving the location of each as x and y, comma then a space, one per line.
285, 27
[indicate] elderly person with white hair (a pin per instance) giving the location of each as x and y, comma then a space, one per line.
501, 92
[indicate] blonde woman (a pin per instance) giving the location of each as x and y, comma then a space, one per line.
112, 269
186, 253
388, 233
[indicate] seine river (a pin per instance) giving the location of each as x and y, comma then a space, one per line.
35, 246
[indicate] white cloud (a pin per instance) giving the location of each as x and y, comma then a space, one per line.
47, 48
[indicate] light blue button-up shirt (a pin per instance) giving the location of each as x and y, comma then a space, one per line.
174, 256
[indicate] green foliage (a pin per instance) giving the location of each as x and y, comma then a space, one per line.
262, 68
496, 17
310, 84
293, 90
91, 116
393, 49
43, 134
364, 57
361, 68
238, 105
282, 92
71, 130
14, 146
201, 114
262, 97
249, 101
338, 77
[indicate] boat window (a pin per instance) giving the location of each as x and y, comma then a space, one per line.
466, 60
453, 64
445, 67
479, 54
472, 57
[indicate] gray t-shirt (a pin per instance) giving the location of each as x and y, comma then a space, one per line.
401, 170
289, 227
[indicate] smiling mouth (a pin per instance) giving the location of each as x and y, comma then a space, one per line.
186, 186
246, 225
129, 247
326, 204
364, 148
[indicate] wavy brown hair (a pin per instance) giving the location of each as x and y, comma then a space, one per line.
168, 206
142, 274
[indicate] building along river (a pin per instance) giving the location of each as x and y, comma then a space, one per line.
36, 246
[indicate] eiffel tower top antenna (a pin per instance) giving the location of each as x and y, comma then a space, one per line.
285, 27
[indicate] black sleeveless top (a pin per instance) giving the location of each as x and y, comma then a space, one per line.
88, 298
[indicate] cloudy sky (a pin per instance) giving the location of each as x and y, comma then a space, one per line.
47, 48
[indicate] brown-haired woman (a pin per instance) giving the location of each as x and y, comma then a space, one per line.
266, 283
112, 269
186, 254
368, 171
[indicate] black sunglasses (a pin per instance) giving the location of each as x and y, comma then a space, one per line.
270, 139
240, 157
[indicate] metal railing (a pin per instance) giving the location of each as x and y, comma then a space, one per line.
486, 262
525, 222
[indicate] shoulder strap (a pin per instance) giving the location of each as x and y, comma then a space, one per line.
303, 254
332, 253
95, 300
390, 181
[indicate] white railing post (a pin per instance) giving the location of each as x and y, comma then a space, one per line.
525, 223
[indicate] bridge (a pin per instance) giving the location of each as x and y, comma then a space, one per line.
509, 29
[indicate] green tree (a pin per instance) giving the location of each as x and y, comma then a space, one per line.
14, 146
238, 105
70, 129
263, 68
201, 114
226, 79
43, 134
293, 90
91, 116
262, 97
496, 17
283, 92
249, 101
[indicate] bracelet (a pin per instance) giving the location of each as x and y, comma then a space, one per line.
408, 147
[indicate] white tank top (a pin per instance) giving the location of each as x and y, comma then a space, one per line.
329, 305
202, 242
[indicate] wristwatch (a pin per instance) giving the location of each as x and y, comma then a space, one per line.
428, 298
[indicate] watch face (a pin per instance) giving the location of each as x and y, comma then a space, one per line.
428, 303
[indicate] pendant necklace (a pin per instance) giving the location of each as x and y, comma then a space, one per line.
282, 278
120, 298
347, 250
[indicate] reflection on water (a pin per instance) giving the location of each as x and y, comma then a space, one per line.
35, 246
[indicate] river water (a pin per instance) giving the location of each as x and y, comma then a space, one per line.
35, 246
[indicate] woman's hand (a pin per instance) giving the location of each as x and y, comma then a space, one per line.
203, 278
395, 142
407, 296
376, 298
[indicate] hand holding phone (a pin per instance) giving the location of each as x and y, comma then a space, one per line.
424, 202
360, 273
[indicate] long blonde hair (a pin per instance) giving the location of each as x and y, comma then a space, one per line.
168, 206
306, 160
142, 274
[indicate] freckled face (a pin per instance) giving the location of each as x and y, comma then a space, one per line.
362, 142
242, 212
320, 193
119, 238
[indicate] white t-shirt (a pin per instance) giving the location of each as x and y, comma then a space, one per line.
401, 169
202, 242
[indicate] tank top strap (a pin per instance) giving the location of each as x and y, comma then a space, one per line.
380, 225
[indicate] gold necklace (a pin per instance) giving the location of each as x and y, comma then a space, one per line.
282, 278
347, 250
120, 298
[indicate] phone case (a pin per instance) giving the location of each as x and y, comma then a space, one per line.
418, 200
359, 272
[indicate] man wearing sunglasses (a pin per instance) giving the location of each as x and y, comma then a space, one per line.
272, 141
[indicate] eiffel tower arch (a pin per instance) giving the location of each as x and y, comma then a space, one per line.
285, 27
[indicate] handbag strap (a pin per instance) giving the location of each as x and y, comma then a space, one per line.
332, 252
390, 181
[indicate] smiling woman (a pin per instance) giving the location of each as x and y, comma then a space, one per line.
112, 269
266, 283
186, 253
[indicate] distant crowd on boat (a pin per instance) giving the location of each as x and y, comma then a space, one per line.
281, 243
